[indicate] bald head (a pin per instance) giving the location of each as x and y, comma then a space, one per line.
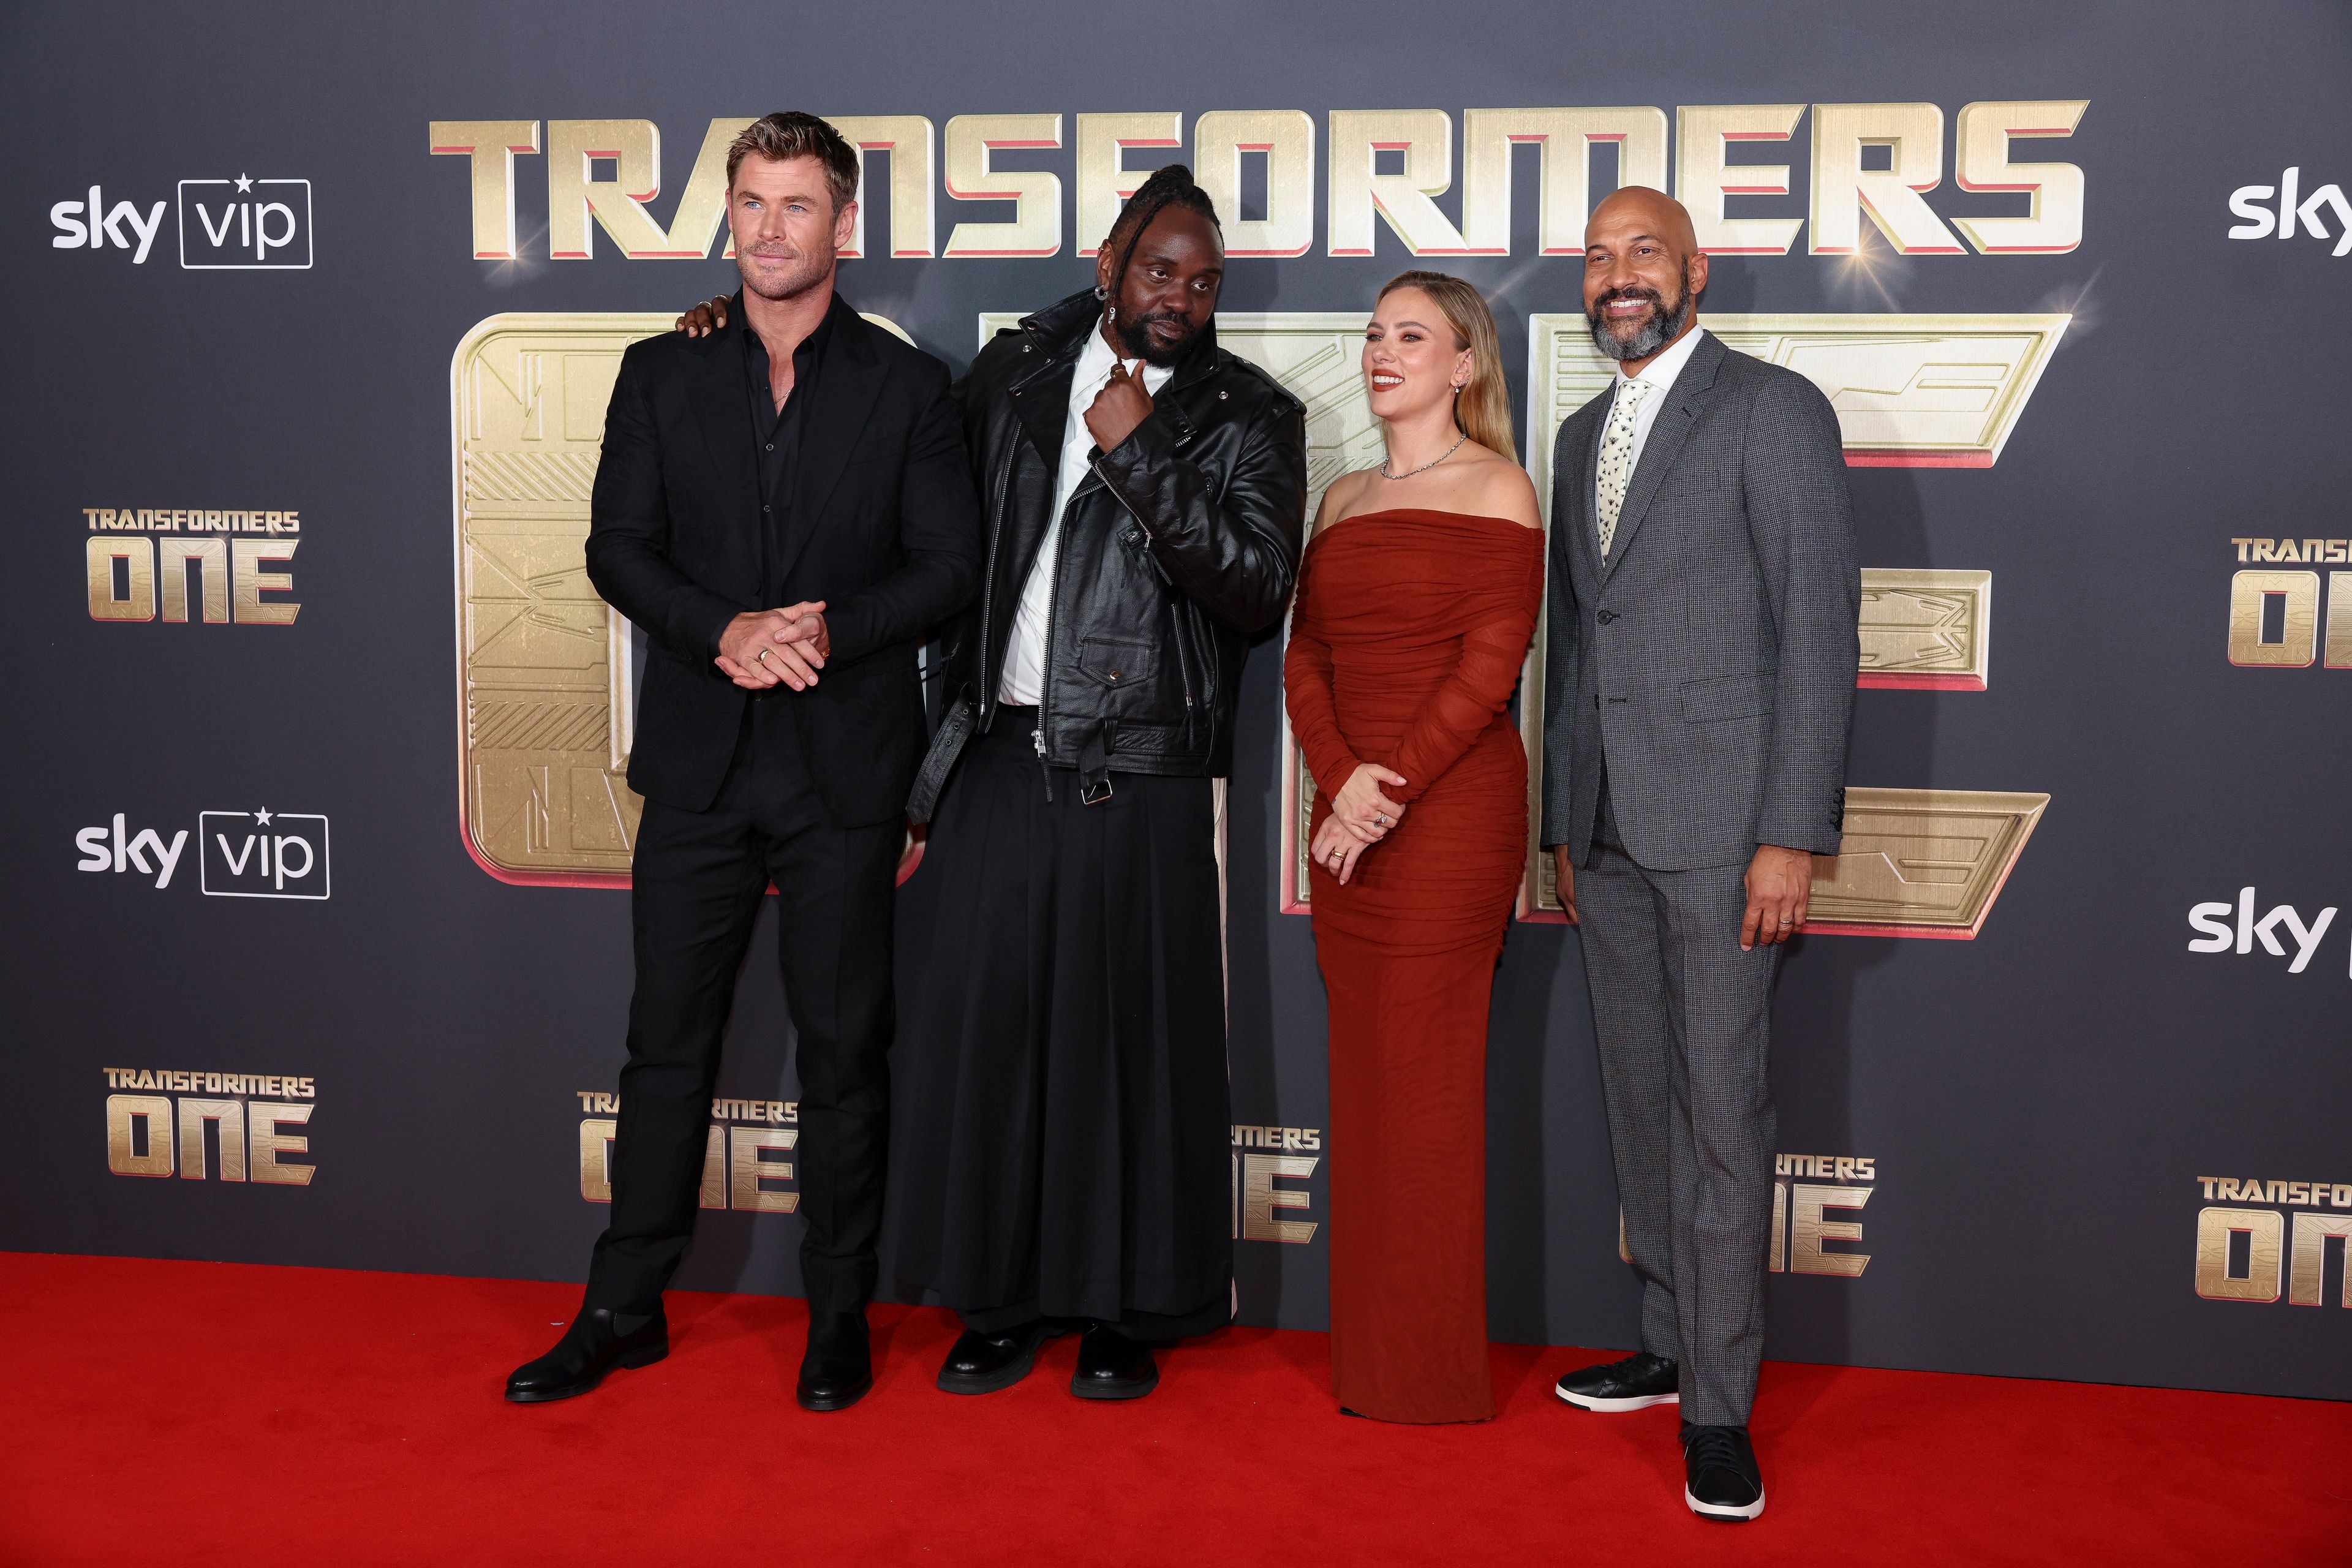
1637, 210
1644, 272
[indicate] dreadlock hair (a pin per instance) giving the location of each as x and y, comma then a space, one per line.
1169, 186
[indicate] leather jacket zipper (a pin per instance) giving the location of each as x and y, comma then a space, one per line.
1046, 671
987, 699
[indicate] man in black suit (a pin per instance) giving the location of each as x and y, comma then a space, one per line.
801, 459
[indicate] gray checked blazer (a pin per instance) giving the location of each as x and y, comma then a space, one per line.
1713, 658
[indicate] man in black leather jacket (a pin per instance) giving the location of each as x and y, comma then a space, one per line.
1064, 1130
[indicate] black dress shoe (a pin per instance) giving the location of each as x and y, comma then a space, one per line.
1636, 1383
1112, 1366
1720, 1479
982, 1363
594, 1345
838, 1368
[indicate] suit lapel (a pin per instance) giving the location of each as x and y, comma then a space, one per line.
852, 379
721, 402
1668, 433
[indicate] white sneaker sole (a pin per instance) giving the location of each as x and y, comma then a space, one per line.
1615, 1406
1717, 1510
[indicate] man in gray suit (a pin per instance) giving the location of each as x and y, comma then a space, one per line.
1699, 681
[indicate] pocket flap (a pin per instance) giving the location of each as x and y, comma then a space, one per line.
1115, 661
1725, 697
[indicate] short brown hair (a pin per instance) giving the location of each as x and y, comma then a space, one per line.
789, 134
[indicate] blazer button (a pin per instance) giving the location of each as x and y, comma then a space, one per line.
1605, 616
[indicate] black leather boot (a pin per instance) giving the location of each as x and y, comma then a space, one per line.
982, 1363
839, 1367
593, 1344
1112, 1366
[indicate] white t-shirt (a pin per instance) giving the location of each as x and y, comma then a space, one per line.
1024, 657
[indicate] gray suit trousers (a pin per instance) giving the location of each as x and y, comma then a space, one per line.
1683, 1022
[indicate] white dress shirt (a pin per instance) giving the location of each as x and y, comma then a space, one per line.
1025, 659
1660, 374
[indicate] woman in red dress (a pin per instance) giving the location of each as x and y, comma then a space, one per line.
1416, 600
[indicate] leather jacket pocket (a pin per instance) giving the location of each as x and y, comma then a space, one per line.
1117, 663
1725, 697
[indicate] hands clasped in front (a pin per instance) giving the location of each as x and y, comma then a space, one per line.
761, 648
1362, 815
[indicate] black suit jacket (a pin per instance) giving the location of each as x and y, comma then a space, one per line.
883, 525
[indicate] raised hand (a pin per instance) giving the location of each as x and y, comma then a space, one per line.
1118, 407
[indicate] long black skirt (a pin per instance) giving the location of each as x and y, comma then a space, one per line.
1063, 1142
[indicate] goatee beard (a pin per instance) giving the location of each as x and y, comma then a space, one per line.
1136, 338
1661, 328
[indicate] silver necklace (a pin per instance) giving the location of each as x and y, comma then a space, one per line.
1431, 464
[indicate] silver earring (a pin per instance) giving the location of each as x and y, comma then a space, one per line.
1102, 292
1112, 314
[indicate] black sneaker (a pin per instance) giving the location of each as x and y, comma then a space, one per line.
1636, 1383
1719, 1476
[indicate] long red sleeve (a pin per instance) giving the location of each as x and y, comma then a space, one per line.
1314, 717
1493, 648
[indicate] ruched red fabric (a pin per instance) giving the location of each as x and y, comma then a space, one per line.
1407, 640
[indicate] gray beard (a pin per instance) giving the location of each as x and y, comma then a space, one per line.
1663, 327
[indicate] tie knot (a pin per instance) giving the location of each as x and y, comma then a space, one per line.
1633, 389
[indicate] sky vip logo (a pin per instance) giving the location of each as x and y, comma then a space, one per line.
746, 1159
264, 855
243, 854
89, 224
245, 225
227, 225
2247, 1254
2293, 213
2232, 928
126, 851
1263, 1156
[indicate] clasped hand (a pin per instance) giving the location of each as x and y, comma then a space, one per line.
1362, 815
761, 648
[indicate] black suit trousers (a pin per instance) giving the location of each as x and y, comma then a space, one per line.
699, 878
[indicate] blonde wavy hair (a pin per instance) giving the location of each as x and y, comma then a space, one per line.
1482, 410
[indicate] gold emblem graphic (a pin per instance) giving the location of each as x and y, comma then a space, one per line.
1927, 630
1920, 862
1940, 391
544, 668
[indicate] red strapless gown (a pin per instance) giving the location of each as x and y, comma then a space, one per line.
1404, 647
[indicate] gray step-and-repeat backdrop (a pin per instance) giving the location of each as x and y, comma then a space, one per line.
316, 948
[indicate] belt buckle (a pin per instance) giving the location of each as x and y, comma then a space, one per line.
1094, 794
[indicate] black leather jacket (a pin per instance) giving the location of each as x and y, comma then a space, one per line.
1179, 543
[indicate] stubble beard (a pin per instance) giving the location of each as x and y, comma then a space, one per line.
794, 283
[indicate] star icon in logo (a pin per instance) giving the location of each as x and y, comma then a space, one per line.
245, 183
262, 817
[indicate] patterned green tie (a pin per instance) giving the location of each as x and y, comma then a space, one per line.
1617, 456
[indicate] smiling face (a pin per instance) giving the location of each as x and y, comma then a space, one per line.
1644, 272
1411, 358
788, 238
1169, 293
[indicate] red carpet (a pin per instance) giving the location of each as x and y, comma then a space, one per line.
192, 1413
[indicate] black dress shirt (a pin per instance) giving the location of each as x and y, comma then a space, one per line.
776, 433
